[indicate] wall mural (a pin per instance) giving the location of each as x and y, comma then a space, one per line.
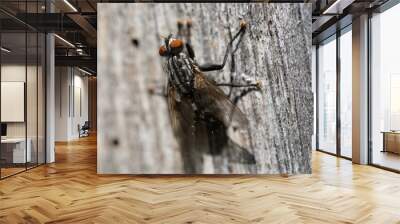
204, 88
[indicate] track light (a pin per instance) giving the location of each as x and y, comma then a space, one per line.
65, 41
338, 6
84, 71
70, 5
326, 11
5, 50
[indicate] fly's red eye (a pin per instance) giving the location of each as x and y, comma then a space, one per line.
162, 51
175, 43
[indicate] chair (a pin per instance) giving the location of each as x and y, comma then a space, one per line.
84, 130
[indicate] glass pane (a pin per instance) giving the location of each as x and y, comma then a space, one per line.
32, 95
327, 96
13, 86
41, 99
314, 79
346, 94
386, 89
31, 88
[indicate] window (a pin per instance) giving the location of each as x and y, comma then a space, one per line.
346, 93
22, 107
327, 96
314, 89
385, 88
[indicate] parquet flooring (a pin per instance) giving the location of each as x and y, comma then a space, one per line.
10, 171
70, 191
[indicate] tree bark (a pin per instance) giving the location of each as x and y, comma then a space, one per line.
135, 134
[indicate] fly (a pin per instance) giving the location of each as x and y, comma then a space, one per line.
193, 98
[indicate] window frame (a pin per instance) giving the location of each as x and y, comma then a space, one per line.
334, 37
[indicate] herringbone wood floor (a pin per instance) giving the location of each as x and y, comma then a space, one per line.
70, 191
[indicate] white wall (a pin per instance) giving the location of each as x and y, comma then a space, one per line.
33, 127
62, 81
12, 73
70, 83
79, 117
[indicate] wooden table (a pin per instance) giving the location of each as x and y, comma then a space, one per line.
391, 141
13, 150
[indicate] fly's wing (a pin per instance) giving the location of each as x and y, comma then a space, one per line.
212, 100
180, 111
191, 134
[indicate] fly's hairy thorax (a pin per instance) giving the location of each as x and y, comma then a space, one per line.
181, 72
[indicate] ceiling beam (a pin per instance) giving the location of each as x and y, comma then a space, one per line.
86, 27
320, 22
337, 7
83, 61
49, 22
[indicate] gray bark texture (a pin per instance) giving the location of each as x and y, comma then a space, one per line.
135, 134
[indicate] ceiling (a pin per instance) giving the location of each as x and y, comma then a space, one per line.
332, 15
76, 22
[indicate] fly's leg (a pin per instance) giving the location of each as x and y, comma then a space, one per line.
242, 94
184, 32
257, 85
189, 39
180, 24
233, 66
230, 48
242, 80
